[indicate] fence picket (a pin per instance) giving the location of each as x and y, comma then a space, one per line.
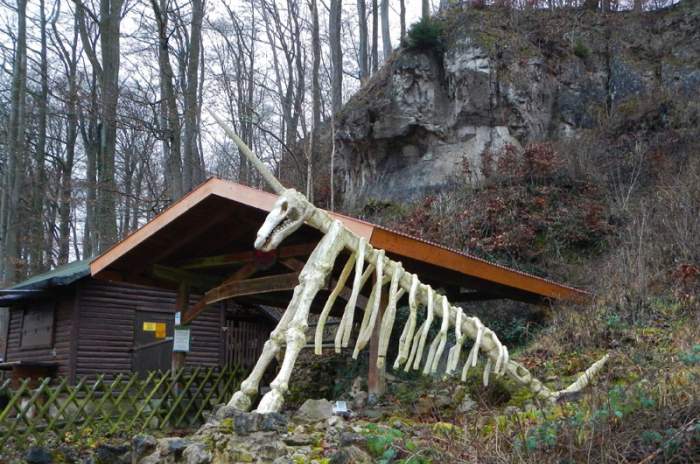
121, 405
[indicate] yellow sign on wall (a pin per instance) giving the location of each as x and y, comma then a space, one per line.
158, 327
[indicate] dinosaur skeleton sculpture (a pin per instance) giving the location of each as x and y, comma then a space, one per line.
291, 210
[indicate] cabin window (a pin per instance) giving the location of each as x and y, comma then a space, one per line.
37, 326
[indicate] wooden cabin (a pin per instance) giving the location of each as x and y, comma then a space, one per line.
66, 323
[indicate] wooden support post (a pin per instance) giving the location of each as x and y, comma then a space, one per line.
376, 377
181, 304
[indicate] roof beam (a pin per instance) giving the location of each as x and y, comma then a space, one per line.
241, 257
173, 274
232, 288
269, 284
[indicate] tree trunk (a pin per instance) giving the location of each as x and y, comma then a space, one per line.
334, 26
192, 171
402, 18
375, 36
425, 4
362, 55
36, 251
638, 6
66, 172
171, 140
591, 5
316, 100
89, 129
386, 33
16, 144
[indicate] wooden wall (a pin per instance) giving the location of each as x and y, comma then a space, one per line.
94, 330
106, 327
59, 352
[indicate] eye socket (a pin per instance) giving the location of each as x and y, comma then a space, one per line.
284, 207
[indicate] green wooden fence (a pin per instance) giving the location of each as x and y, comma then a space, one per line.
126, 404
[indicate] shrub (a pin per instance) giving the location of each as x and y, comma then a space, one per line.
528, 206
581, 50
426, 34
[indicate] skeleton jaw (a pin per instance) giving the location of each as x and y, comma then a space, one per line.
289, 213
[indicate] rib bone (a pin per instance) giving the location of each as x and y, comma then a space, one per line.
474, 353
426, 328
410, 327
456, 351
389, 315
370, 317
438, 344
318, 339
414, 347
357, 284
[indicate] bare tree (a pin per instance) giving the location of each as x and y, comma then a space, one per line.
375, 36
170, 120
362, 55
316, 99
334, 26
69, 57
386, 32
107, 72
15, 164
193, 171
590, 4
36, 214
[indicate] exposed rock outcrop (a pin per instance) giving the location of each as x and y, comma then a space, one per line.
545, 77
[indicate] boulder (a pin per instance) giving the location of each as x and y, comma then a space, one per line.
112, 454
245, 423
197, 453
273, 422
350, 455
38, 455
298, 440
142, 445
314, 411
174, 446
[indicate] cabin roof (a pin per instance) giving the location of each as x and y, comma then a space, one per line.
217, 223
61, 276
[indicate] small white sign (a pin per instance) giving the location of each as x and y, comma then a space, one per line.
181, 339
340, 407
178, 318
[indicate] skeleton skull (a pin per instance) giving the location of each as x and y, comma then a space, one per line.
289, 213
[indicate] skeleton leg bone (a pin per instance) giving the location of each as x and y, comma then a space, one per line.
242, 399
312, 277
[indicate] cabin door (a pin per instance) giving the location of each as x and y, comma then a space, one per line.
153, 342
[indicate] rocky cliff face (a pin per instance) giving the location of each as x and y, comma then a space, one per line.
502, 81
